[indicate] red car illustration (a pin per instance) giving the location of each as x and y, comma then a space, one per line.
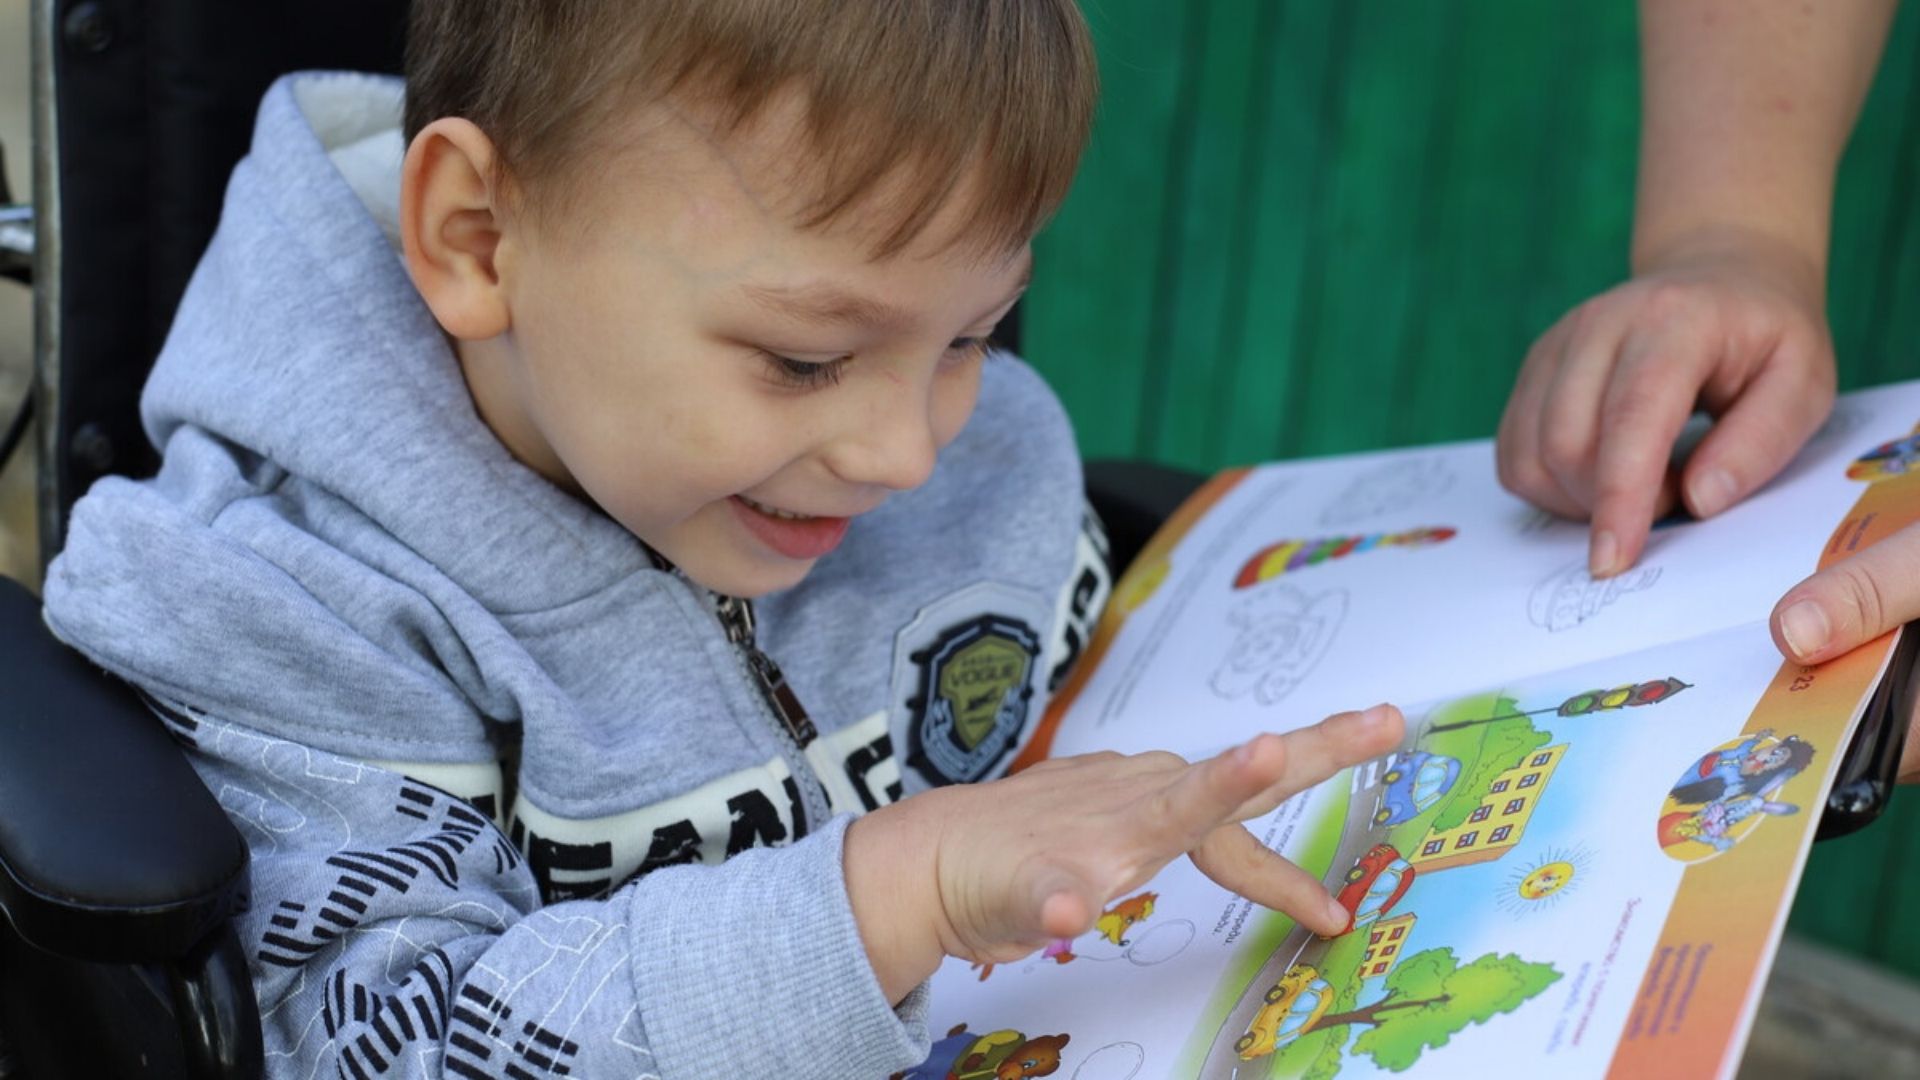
1374, 885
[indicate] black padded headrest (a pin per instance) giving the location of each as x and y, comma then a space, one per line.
155, 102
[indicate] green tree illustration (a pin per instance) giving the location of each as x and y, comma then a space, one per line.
1327, 1065
1430, 998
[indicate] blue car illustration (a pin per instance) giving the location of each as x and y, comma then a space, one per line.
1415, 781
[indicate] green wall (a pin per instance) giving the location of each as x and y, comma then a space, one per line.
1314, 226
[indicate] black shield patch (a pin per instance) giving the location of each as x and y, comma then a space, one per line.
975, 690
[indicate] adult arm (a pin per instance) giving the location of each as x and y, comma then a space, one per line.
1746, 107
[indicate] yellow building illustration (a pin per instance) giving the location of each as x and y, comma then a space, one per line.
1496, 824
1386, 940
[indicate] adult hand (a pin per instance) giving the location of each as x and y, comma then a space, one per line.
1850, 603
990, 872
1732, 322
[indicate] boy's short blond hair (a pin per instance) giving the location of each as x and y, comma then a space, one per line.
919, 94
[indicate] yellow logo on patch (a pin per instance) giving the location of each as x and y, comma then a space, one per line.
976, 682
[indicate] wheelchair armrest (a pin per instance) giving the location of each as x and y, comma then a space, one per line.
1133, 499
110, 846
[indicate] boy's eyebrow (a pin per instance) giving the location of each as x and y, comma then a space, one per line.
831, 305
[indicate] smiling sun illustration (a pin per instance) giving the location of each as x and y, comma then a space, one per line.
1546, 880
1540, 884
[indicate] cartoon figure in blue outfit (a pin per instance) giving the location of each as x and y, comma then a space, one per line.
1714, 824
1756, 766
1415, 781
1895, 458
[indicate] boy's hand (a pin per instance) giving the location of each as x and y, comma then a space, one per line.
990, 872
1733, 323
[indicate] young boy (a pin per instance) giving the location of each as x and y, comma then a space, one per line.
688, 298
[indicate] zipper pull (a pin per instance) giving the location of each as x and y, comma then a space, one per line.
736, 615
736, 618
780, 697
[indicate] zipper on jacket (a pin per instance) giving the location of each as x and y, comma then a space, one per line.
790, 717
736, 618
795, 727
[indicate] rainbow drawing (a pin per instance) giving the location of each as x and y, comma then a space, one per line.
1288, 555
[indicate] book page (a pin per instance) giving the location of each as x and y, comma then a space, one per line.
1317, 586
1583, 853
1511, 869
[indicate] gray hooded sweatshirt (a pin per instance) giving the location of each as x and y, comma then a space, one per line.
517, 805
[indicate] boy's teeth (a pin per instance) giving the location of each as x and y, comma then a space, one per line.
771, 512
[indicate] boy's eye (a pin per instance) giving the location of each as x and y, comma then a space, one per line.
812, 374
967, 348
805, 374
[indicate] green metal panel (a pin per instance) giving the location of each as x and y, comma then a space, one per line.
1876, 261
1316, 226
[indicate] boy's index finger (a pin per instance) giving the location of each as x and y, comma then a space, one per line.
1234, 858
1646, 408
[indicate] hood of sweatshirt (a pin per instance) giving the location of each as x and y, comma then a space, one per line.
338, 551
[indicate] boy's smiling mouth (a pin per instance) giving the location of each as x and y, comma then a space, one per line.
772, 511
795, 536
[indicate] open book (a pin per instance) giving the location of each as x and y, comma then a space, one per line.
1581, 859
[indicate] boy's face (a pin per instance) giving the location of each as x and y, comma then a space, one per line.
729, 386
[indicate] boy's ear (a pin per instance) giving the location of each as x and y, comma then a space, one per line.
451, 227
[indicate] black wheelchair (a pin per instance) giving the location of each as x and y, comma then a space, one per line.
118, 870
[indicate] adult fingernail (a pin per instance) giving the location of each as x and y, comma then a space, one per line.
1711, 492
1804, 625
1601, 555
1374, 716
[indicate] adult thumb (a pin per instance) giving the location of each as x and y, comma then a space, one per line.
1851, 602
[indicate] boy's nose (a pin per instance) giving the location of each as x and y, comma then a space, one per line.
892, 445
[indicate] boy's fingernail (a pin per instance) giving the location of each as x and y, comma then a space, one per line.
1711, 492
1336, 915
1243, 753
1804, 625
1375, 715
1601, 555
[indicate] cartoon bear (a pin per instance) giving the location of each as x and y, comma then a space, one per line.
997, 1055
